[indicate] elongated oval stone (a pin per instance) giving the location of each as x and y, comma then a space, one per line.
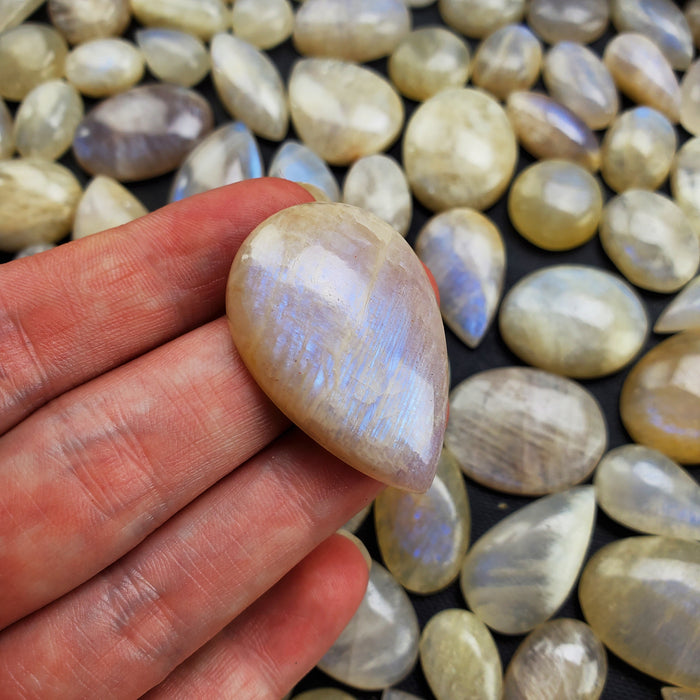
354, 524
690, 99
14, 12
361, 369
465, 253
83, 20
518, 574
329, 101
641, 596
229, 154
479, 18
263, 23
582, 21
296, 162
174, 56
324, 694
525, 431
379, 646
685, 180
650, 240
203, 18
573, 320
660, 399
459, 657
7, 132
683, 313
142, 133
559, 659
459, 150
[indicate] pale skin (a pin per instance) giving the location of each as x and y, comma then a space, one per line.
163, 529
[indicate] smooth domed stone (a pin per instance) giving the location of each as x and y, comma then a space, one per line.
296, 162
29, 55
650, 240
479, 18
428, 60
660, 399
424, 537
378, 184
203, 18
351, 30
525, 431
14, 12
555, 204
173, 56
660, 20
354, 524
329, 101
641, 596
83, 20
229, 154
643, 73
459, 150
559, 659
459, 657
685, 180
379, 646
363, 370
547, 129
104, 205
579, 80
679, 694
142, 133
7, 132
37, 202
581, 21
263, 23
683, 313
690, 99
324, 694
692, 17
395, 694
574, 320
34, 249
646, 491
46, 120
465, 253
507, 60
638, 150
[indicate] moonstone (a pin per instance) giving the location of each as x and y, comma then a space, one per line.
330, 102
465, 253
660, 399
203, 18
479, 18
683, 313
690, 99
14, 12
83, 20
581, 21
7, 132
395, 694
354, 524
692, 17
142, 133
296, 162
459, 150
173, 56
650, 240
379, 646
641, 596
559, 659
685, 180
459, 657
263, 23
34, 249
324, 694
518, 574
574, 320
525, 431
363, 370
679, 694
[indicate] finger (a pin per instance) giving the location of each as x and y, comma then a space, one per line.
85, 307
280, 637
128, 628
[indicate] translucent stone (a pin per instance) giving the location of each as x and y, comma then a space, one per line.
465, 253
423, 538
354, 524
324, 694
203, 18
690, 99
30, 55
459, 150
643, 73
173, 56
142, 133
296, 162
660, 399
646, 491
507, 60
83, 20
37, 202
379, 646
104, 205
574, 320
578, 79
14, 12
229, 154
395, 694
263, 23
650, 240
350, 30
459, 657
479, 18
683, 313
559, 659
428, 60
378, 184
660, 20
34, 249
679, 694
692, 17
685, 180
330, 102
581, 21
525, 431
547, 129
555, 204
641, 596
361, 369
638, 150
7, 132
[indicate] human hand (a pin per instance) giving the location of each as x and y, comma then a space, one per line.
152, 499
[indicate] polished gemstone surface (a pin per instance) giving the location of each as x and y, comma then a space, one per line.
574, 320
203, 18
679, 694
324, 694
479, 18
7, 132
690, 99
581, 21
356, 521
459, 150
174, 56
14, 12
692, 17
362, 369
33, 249
263, 23
683, 313
83, 20
395, 693
296, 162
685, 180
525, 431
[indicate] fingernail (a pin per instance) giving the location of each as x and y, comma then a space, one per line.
359, 544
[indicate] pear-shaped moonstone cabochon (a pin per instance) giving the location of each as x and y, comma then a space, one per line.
335, 318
